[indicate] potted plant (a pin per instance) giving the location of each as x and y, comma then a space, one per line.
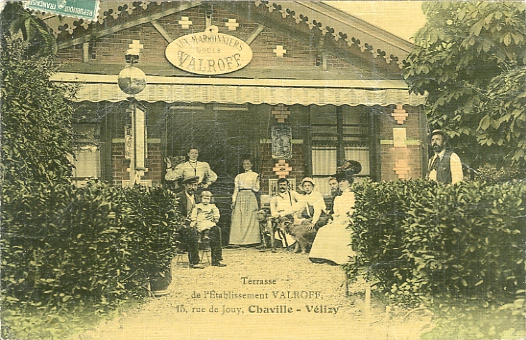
154, 226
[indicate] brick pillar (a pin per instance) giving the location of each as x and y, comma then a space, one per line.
401, 144
120, 164
154, 164
268, 163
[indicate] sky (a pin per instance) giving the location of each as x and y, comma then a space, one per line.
402, 18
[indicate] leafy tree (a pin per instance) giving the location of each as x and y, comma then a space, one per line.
36, 119
18, 22
468, 58
504, 122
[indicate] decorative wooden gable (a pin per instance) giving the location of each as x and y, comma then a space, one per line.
289, 39
296, 58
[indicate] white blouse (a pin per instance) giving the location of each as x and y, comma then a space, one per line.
244, 181
343, 205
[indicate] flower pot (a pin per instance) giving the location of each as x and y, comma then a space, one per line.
159, 283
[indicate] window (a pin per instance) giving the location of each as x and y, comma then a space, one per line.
338, 134
86, 153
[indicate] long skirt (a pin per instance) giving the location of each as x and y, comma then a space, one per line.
244, 228
332, 243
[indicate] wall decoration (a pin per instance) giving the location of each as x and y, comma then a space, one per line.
281, 141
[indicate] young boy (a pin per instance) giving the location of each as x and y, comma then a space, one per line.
204, 216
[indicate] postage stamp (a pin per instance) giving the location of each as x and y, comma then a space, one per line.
83, 9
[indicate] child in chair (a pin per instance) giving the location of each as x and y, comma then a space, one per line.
204, 216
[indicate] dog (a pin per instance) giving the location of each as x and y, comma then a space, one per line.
269, 226
302, 232
265, 228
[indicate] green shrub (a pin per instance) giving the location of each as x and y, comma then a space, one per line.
97, 246
151, 228
379, 234
493, 175
458, 245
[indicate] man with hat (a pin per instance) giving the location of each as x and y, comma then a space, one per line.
190, 235
313, 205
445, 166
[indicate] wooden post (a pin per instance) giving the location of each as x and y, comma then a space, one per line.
346, 284
386, 320
367, 305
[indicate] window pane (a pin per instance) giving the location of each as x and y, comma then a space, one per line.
323, 114
360, 154
323, 161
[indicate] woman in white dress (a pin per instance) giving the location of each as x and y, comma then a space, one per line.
332, 243
244, 228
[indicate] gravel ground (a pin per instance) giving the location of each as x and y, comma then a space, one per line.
300, 300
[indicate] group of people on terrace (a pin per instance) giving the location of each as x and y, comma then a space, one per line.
332, 241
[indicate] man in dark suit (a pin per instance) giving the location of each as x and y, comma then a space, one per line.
190, 235
445, 166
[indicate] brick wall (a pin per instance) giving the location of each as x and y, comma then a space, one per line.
393, 159
120, 164
267, 163
154, 164
110, 49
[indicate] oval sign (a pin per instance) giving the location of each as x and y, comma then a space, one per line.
209, 52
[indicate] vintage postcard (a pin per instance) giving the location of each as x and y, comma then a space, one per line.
246, 109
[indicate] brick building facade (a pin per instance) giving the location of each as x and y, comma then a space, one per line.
332, 78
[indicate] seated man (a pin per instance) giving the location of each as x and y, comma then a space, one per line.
190, 235
335, 191
284, 204
311, 217
314, 209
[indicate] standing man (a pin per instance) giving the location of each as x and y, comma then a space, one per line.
445, 166
313, 205
191, 168
190, 235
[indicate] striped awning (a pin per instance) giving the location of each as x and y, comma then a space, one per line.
97, 88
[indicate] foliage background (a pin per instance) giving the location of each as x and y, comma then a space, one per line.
470, 58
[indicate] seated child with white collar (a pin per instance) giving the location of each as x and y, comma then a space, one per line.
204, 216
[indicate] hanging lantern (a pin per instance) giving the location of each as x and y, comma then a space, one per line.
132, 80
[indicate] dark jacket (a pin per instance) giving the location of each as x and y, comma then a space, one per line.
182, 206
443, 167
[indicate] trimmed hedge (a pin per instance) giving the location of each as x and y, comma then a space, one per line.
434, 244
64, 246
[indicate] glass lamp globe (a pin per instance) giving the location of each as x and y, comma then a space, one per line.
132, 80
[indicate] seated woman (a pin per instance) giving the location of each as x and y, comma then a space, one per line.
332, 243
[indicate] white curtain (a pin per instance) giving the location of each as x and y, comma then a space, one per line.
360, 154
324, 163
87, 164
